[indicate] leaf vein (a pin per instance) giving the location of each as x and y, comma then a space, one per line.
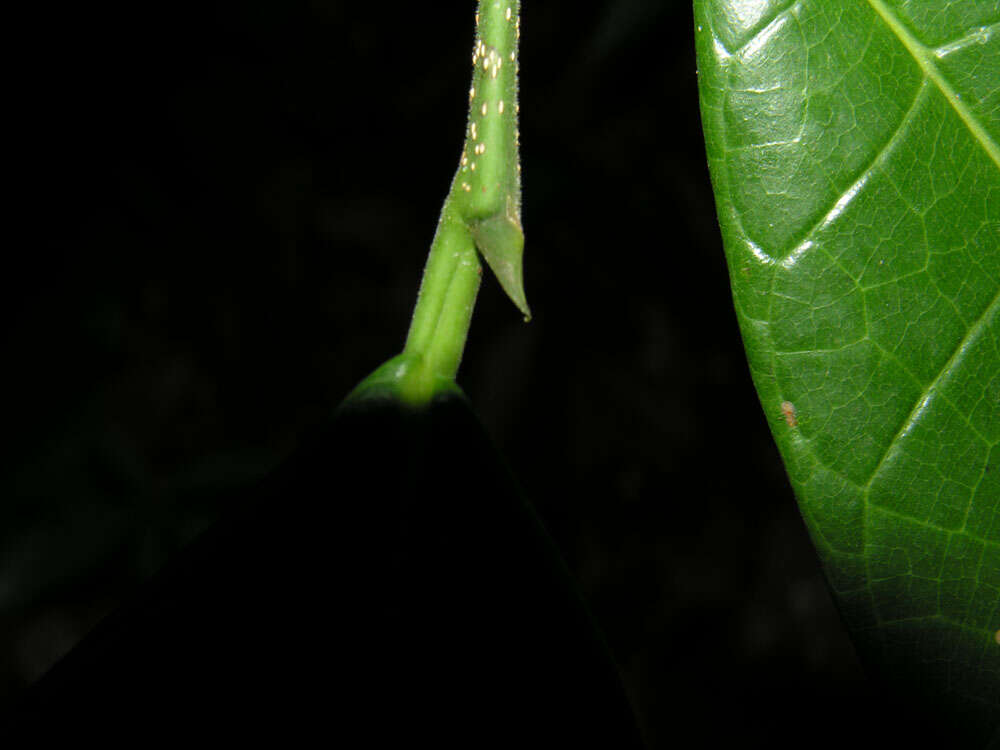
857, 184
764, 23
923, 401
924, 59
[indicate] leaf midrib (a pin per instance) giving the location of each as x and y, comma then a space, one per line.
922, 55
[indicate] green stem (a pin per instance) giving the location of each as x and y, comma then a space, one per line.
481, 215
482, 208
447, 297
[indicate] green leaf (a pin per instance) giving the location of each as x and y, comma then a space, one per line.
853, 148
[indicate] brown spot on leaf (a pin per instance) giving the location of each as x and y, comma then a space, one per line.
788, 409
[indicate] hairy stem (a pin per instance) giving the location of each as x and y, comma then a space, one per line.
483, 206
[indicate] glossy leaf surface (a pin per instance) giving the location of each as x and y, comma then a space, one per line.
853, 148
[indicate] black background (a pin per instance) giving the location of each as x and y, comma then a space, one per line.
222, 214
